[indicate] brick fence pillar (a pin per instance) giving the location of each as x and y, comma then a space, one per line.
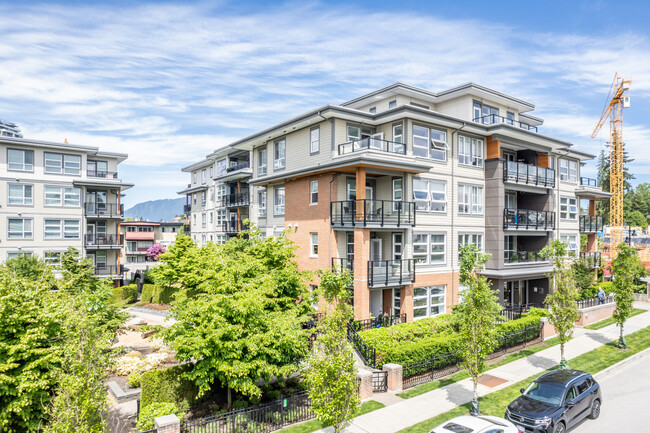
365, 389
394, 376
548, 330
168, 424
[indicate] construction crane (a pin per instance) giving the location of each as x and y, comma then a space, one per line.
614, 110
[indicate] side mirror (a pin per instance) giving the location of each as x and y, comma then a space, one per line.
522, 390
569, 404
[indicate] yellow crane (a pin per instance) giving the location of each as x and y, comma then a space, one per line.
614, 110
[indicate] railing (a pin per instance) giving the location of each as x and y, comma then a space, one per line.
104, 271
103, 209
339, 264
379, 381
587, 181
383, 321
528, 174
375, 212
591, 223
492, 119
239, 199
523, 257
234, 226
369, 143
240, 166
591, 258
587, 303
102, 239
528, 219
262, 418
101, 174
368, 354
187, 208
391, 272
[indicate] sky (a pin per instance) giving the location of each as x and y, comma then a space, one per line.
168, 82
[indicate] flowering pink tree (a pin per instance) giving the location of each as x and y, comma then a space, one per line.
154, 252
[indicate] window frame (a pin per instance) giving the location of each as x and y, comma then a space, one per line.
261, 203
313, 194
468, 237
568, 212
222, 166
475, 192
314, 144
277, 206
261, 168
313, 244
280, 154
397, 192
473, 154
396, 135
430, 195
392, 104
25, 233
61, 225
63, 192
433, 145
64, 163
569, 166
564, 237
26, 201
425, 258
24, 163
429, 305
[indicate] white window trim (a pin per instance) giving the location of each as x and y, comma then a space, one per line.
26, 167
261, 167
24, 231
63, 168
476, 192
314, 143
568, 211
25, 201
429, 305
278, 209
312, 192
473, 153
567, 164
313, 254
280, 158
261, 204
429, 249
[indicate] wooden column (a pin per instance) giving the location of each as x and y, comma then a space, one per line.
493, 148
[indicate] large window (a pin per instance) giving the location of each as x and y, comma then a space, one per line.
20, 160
278, 201
221, 168
509, 247
429, 143
313, 244
314, 140
221, 191
568, 208
61, 229
59, 163
484, 113
20, 228
221, 217
203, 177
261, 162
568, 170
313, 192
21, 195
429, 249
97, 168
470, 238
261, 203
63, 196
279, 155
470, 200
353, 133
203, 197
470, 151
398, 133
430, 195
573, 246
398, 194
428, 301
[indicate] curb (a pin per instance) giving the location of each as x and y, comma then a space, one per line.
622, 362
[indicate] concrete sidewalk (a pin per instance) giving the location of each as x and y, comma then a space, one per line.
406, 413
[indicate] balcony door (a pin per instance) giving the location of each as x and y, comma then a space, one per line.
375, 249
377, 140
376, 303
516, 292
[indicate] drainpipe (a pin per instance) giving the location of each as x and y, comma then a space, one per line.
453, 210
329, 237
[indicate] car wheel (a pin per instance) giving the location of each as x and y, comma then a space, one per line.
595, 409
559, 428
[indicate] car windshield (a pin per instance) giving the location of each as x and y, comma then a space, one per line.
546, 392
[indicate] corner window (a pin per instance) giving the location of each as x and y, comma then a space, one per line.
470, 200
314, 140
313, 244
278, 201
568, 170
430, 195
261, 203
20, 195
313, 192
279, 155
20, 160
470, 151
428, 301
569, 208
20, 228
261, 162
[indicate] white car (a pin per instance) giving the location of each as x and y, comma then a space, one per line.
476, 424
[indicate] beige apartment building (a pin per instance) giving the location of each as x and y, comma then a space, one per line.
392, 183
54, 196
139, 236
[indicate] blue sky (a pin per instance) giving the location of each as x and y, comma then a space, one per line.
168, 82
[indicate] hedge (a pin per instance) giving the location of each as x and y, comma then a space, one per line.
147, 415
157, 294
128, 294
167, 386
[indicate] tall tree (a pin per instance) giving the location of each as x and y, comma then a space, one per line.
563, 309
625, 268
330, 373
478, 311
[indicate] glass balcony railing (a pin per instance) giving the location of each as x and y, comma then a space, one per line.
232, 200
523, 257
524, 219
527, 174
105, 210
372, 144
588, 181
492, 119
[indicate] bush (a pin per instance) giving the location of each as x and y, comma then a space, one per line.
128, 294
167, 386
154, 410
147, 292
158, 294
134, 380
608, 287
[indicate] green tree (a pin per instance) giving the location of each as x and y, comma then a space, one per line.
477, 314
636, 219
583, 274
563, 309
624, 272
31, 267
330, 373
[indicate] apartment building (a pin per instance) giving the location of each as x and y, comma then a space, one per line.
139, 236
392, 183
55, 196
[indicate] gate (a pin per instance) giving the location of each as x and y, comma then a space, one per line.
379, 381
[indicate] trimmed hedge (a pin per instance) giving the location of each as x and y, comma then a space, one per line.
158, 294
167, 386
148, 414
128, 294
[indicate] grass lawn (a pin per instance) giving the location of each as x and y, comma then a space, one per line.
430, 386
592, 362
609, 321
314, 424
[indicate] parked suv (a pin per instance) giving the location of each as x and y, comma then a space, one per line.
555, 402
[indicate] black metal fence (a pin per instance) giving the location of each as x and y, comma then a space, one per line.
517, 339
591, 258
391, 272
587, 303
368, 354
374, 212
379, 381
591, 223
383, 321
257, 419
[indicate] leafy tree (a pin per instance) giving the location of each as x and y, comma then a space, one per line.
624, 271
563, 309
583, 274
636, 219
477, 314
30, 267
154, 252
330, 373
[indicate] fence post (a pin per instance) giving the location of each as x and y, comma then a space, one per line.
394, 376
365, 390
167, 424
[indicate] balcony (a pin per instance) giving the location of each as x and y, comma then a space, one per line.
375, 144
108, 271
103, 241
187, 209
101, 174
339, 264
375, 213
524, 219
591, 258
235, 172
526, 174
493, 119
591, 224
236, 200
385, 273
587, 181
103, 210
523, 257
234, 227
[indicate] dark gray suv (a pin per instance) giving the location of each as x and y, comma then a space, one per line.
555, 402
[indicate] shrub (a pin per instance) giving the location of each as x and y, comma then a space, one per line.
167, 386
608, 287
128, 294
147, 292
158, 294
149, 413
134, 380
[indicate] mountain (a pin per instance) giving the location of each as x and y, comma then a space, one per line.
157, 210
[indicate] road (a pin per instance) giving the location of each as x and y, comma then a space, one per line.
626, 393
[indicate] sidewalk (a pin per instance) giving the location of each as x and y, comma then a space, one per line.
406, 413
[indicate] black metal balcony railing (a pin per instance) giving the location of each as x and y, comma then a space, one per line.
187, 208
524, 257
240, 166
492, 119
104, 209
239, 199
591, 224
591, 258
369, 143
234, 226
391, 272
103, 239
339, 264
101, 174
377, 212
524, 219
107, 270
383, 321
528, 174
587, 181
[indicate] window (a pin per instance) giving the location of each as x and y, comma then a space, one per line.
484, 113
61, 229
279, 155
221, 217
373, 110
354, 133
52, 258
392, 104
313, 192
509, 247
429, 143
221, 168
20, 160
568, 208
470, 200
398, 133
428, 301
314, 140
203, 219
397, 301
221, 191
59, 163
470, 238
261, 162
211, 217
194, 176
20, 228
568, 170
313, 244
221, 239
97, 168
20, 195
573, 246
203, 197
429, 248
211, 172
470, 151
398, 194
203, 177
261, 201
430, 195
510, 118
13, 255
278, 201
63, 196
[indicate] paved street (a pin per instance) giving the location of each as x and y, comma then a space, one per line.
626, 393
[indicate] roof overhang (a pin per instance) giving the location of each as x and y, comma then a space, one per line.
518, 272
102, 184
593, 193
